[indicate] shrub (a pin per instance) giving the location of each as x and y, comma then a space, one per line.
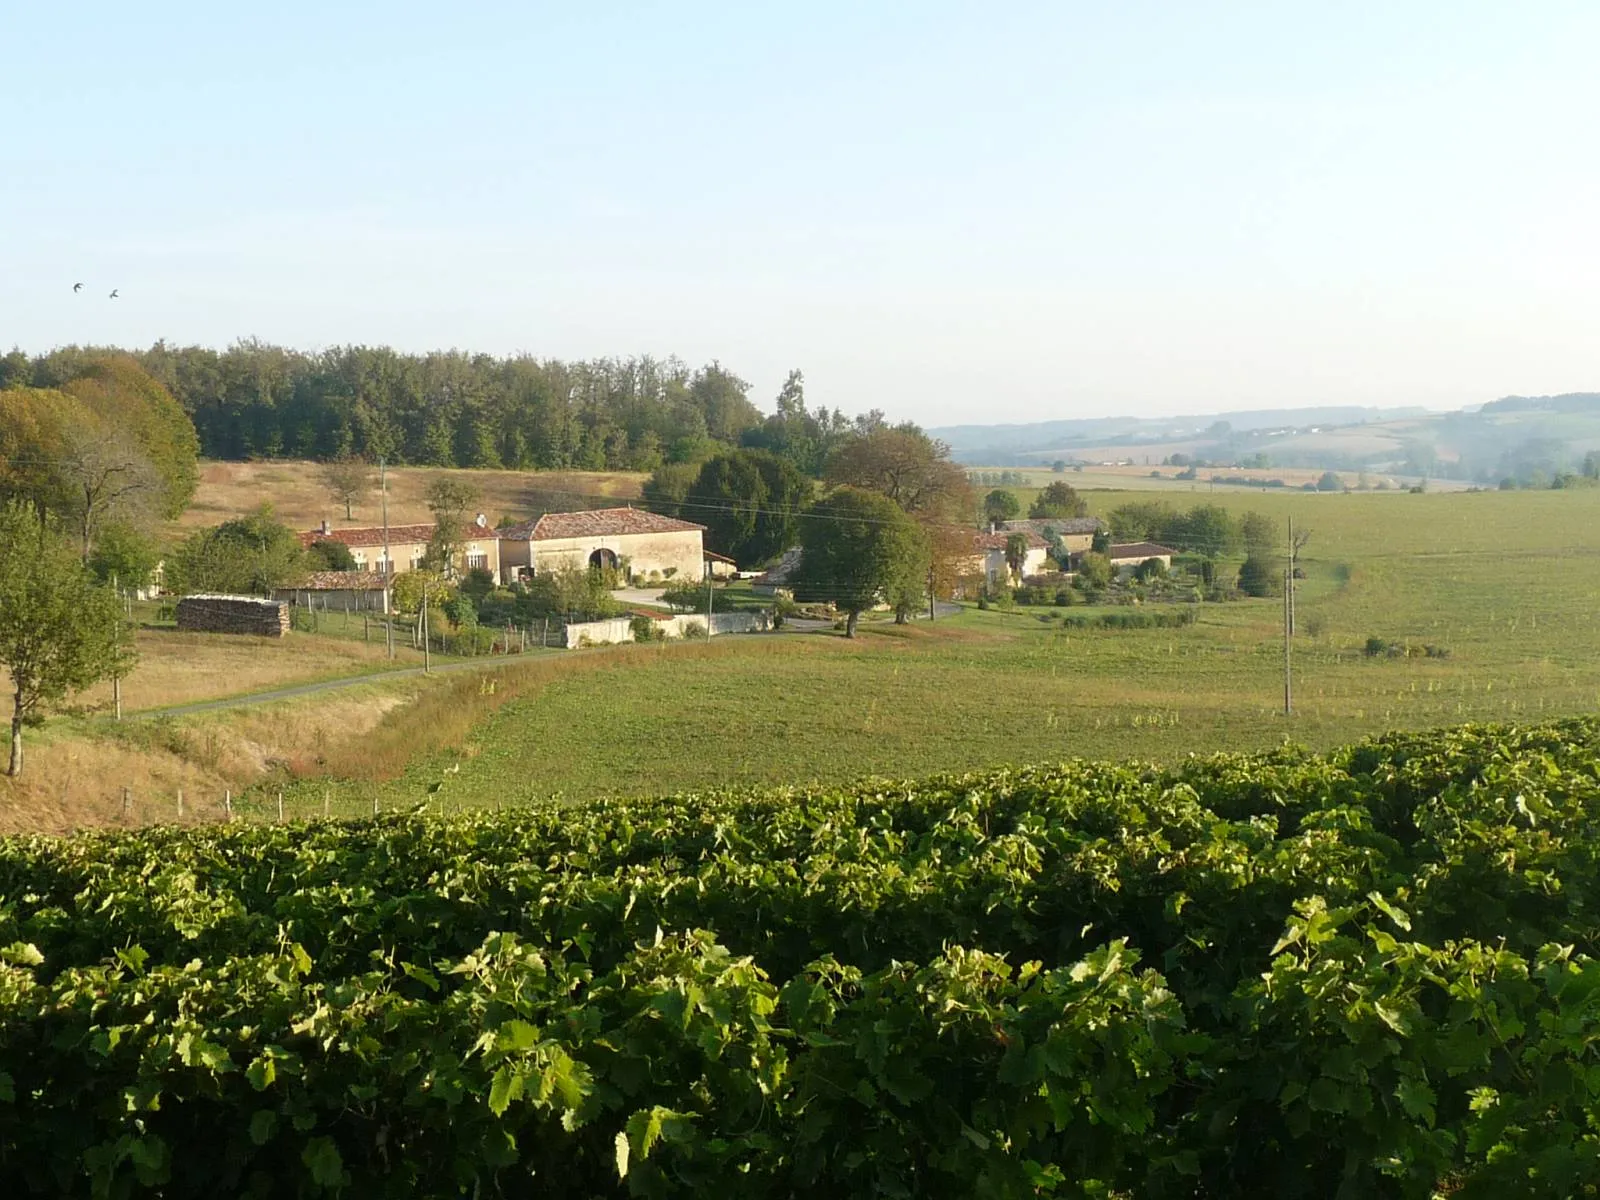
1376, 646
645, 629
1258, 576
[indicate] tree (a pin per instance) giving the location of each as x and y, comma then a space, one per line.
252, 554
1330, 482
1001, 505
348, 480
666, 490
1141, 521
859, 549
1094, 571
125, 556
60, 630
1259, 576
1258, 533
1100, 541
450, 501
127, 399
1016, 553
749, 501
325, 554
1591, 465
1059, 466
908, 467
1207, 529
1059, 499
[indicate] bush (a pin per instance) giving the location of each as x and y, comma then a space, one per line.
645, 629
1258, 576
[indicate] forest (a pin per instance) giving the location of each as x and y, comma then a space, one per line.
456, 409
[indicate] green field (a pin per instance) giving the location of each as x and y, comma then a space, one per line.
1505, 582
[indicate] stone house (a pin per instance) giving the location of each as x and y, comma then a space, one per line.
480, 546
1076, 533
988, 558
647, 546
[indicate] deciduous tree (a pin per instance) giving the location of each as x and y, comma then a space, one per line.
60, 630
348, 481
1058, 500
452, 502
250, 555
860, 549
1002, 505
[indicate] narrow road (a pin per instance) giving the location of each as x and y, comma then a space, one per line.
326, 685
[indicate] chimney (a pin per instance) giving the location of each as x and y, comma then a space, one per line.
325, 529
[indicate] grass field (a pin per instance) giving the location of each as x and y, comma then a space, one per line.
299, 498
1505, 582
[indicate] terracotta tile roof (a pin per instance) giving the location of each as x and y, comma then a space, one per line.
1129, 551
997, 541
713, 556
340, 581
399, 535
597, 522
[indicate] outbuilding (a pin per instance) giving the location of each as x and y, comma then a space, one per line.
645, 546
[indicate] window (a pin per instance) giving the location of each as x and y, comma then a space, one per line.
477, 562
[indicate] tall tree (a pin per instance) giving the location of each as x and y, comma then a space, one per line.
1058, 500
860, 549
452, 502
60, 631
1001, 505
348, 480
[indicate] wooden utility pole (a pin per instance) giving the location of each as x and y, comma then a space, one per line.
932, 602
388, 567
708, 606
1288, 686
426, 661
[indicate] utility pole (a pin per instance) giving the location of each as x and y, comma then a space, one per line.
388, 567
708, 605
931, 600
426, 661
1289, 590
1288, 686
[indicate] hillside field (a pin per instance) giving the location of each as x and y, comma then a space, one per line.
300, 499
1503, 583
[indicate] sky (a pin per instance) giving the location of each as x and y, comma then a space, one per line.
952, 212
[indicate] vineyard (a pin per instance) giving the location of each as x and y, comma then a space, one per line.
1365, 973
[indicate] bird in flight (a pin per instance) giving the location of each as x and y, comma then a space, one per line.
77, 287
113, 294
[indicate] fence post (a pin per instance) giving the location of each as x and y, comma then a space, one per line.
374, 806
227, 803
125, 803
280, 808
180, 804
324, 804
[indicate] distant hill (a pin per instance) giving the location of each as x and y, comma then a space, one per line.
999, 444
1524, 438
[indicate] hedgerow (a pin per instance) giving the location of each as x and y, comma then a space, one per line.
1367, 973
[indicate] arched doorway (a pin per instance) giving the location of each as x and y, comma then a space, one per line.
603, 560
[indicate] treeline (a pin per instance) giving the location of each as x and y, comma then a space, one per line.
454, 409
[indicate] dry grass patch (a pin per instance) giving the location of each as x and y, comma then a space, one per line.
74, 775
299, 498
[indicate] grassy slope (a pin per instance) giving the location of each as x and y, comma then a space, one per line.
1505, 581
298, 497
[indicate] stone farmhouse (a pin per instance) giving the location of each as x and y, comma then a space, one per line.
988, 557
480, 547
647, 546
1076, 533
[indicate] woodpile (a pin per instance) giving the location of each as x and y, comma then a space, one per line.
233, 614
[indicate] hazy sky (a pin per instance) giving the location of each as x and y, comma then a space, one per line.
954, 212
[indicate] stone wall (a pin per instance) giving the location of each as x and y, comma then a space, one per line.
620, 629
233, 614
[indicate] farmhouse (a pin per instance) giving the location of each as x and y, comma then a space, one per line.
480, 549
646, 545
988, 557
1127, 557
1076, 533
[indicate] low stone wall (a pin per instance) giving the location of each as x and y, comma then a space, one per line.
620, 629
233, 614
